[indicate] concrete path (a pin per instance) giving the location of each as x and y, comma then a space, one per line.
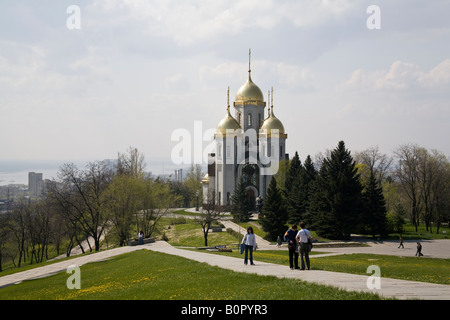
399, 289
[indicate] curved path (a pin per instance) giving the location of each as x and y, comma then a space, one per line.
399, 289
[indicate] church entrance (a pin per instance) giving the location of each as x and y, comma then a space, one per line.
251, 199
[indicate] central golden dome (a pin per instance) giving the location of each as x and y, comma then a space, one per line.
249, 92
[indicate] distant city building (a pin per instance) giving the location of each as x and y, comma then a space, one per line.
35, 184
179, 175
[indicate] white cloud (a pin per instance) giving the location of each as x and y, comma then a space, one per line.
191, 21
399, 77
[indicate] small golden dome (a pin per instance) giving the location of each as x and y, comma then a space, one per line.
248, 92
228, 122
272, 123
205, 178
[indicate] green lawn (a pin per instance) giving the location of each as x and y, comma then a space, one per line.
150, 275
405, 268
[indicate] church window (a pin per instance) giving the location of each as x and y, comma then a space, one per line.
249, 120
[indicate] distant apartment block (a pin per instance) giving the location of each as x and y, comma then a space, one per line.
35, 184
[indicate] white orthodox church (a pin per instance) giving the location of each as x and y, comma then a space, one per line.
248, 146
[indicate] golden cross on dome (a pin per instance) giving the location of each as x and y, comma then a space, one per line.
249, 59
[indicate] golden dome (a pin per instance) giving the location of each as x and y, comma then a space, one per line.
272, 123
228, 122
249, 92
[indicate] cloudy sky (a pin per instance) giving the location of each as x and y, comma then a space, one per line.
137, 70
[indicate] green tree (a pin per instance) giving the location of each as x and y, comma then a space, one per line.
274, 212
293, 191
309, 176
123, 199
240, 208
396, 218
156, 202
193, 183
374, 213
338, 196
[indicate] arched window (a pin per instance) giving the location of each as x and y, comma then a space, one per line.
249, 120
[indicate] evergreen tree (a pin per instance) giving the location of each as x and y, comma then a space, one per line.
374, 213
240, 208
309, 176
274, 216
293, 191
338, 197
293, 173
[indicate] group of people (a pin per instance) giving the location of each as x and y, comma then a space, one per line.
299, 244
419, 247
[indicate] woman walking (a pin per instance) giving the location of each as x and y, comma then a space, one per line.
249, 241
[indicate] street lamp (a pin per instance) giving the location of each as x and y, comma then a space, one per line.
196, 208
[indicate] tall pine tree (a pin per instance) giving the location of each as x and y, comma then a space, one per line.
374, 213
274, 215
338, 199
240, 208
309, 176
293, 191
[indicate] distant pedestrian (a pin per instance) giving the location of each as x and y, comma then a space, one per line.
249, 241
401, 242
289, 236
279, 242
304, 238
141, 237
419, 250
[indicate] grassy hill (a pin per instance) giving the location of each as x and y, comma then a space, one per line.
150, 275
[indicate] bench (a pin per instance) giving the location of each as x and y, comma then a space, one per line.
135, 242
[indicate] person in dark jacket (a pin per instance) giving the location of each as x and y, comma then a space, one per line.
289, 236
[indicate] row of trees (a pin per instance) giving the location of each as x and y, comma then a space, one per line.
371, 194
85, 205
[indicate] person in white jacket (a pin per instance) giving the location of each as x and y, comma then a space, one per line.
249, 241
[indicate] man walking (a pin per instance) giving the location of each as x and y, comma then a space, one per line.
290, 237
302, 237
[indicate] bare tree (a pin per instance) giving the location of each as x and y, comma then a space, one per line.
156, 202
407, 174
436, 184
377, 163
131, 163
80, 196
210, 212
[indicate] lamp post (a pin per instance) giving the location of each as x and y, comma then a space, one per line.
196, 208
